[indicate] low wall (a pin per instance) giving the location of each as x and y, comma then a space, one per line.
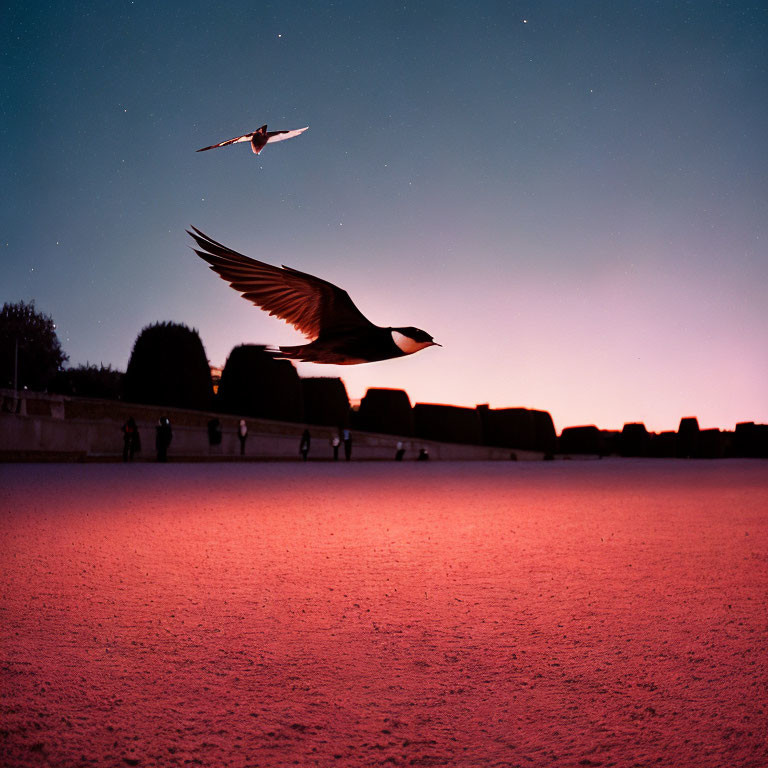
41, 427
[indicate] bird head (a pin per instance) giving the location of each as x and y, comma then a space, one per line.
410, 339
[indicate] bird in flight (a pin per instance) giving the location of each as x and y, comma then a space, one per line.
258, 139
340, 334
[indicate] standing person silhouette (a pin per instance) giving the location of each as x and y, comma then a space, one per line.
335, 443
214, 432
242, 434
347, 436
304, 444
163, 437
130, 439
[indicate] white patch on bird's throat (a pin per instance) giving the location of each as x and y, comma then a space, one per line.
406, 344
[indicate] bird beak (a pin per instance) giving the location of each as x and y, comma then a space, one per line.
435, 344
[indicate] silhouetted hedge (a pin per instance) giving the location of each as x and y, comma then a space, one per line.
634, 440
254, 383
325, 401
611, 439
517, 428
89, 381
385, 410
586, 439
750, 440
545, 437
687, 437
711, 444
168, 366
447, 423
663, 445
506, 427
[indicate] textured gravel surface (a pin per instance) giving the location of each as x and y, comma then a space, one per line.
605, 613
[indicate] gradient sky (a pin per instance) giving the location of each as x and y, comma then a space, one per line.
569, 196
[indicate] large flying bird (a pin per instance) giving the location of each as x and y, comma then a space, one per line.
258, 139
339, 332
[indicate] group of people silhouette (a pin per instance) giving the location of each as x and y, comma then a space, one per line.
164, 436
343, 437
132, 438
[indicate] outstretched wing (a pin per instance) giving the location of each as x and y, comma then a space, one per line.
283, 135
311, 305
236, 140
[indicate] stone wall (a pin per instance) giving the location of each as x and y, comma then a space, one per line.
56, 427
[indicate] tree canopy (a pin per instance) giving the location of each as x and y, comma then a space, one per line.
29, 345
89, 381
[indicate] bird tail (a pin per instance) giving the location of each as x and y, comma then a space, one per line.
310, 353
292, 353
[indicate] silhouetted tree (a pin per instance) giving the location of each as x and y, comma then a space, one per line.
448, 423
89, 381
168, 366
385, 410
325, 401
254, 383
39, 352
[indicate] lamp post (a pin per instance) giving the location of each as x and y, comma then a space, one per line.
16, 375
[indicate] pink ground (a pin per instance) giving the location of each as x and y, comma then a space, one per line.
553, 614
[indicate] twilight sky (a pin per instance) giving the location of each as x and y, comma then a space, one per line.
569, 196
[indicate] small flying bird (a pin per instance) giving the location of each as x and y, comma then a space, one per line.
340, 334
258, 139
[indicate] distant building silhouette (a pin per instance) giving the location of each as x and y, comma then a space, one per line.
215, 378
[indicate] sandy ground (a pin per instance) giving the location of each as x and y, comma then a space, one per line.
558, 614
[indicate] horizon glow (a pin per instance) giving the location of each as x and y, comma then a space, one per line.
571, 201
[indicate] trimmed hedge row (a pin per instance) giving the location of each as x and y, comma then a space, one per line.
254, 383
385, 410
168, 366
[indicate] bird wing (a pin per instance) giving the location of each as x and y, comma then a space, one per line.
311, 305
244, 137
283, 135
